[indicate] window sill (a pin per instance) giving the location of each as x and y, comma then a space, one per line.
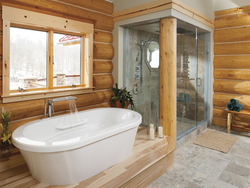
41, 94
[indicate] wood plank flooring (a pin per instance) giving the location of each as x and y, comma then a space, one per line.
14, 172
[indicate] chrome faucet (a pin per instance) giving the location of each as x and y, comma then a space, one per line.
51, 104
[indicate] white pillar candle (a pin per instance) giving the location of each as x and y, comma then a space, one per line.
152, 133
151, 125
160, 132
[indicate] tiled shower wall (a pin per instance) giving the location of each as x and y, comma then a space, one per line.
147, 100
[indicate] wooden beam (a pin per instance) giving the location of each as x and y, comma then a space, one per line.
103, 81
220, 113
232, 48
229, 35
103, 22
27, 109
233, 20
232, 74
168, 75
100, 36
102, 67
232, 11
220, 122
232, 87
221, 100
6, 58
97, 5
159, 5
103, 51
27, 17
232, 62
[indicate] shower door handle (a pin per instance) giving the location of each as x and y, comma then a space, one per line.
198, 82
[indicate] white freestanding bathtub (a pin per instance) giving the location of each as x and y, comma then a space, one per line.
61, 151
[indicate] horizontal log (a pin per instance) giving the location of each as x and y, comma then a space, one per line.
229, 35
97, 5
232, 62
101, 21
232, 11
232, 74
220, 122
220, 113
103, 81
17, 124
232, 87
221, 100
26, 109
232, 20
103, 51
102, 67
232, 48
100, 36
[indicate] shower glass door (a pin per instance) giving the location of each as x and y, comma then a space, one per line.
191, 57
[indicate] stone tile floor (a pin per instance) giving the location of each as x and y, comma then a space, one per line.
198, 167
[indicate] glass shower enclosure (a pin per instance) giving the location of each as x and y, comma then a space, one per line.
193, 46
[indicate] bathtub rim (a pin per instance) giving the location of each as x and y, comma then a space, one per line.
133, 123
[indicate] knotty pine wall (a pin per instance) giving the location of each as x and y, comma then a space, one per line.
92, 11
231, 62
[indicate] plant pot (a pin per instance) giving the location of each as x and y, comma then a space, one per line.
5, 151
118, 104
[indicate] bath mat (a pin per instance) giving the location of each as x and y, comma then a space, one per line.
217, 141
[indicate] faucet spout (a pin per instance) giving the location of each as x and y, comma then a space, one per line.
51, 104
64, 99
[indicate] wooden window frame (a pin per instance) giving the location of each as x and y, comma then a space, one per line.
32, 20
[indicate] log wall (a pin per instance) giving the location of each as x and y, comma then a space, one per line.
231, 62
97, 12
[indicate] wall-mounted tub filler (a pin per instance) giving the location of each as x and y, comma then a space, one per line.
67, 156
51, 104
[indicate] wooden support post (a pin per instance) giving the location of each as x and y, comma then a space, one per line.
229, 122
168, 75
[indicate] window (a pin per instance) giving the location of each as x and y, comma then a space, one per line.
46, 57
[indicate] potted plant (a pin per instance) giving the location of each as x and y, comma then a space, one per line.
121, 98
6, 145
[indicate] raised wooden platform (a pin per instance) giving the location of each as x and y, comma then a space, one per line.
149, 160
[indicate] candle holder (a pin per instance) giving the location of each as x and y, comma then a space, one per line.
160, 132
151, 132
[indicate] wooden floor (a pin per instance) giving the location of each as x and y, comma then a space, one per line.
147, 157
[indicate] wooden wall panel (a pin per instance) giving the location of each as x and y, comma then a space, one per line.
233, 20
233, 87
232, 62
98, 5
103, 81
232, 35
100, 36
232, 11
232, 48
103, 51
220, 113
102, 67
220, 100
103, 22
232, 74
32, 108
